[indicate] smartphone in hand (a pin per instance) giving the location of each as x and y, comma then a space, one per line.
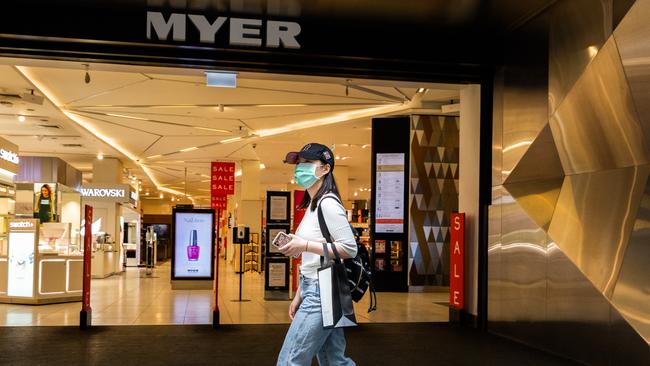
281, 239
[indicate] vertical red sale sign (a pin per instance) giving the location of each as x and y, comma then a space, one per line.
457, 260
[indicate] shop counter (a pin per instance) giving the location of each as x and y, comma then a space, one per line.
103, 263
53, 278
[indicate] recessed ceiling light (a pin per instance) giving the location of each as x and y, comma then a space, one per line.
262, 166
162, 195
230, 140
21, 118
365, 146
356, 194
211, 129
100, 156
129, 117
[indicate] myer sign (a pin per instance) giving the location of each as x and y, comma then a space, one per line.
120, 193
241, 31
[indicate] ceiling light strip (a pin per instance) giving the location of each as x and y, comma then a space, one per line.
24, 71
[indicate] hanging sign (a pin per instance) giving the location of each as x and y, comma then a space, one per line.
9, 156
219, 202
457, 260
222, 180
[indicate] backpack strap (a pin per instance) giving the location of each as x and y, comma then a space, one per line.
326, 232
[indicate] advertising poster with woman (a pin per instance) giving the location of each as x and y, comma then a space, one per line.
45, 202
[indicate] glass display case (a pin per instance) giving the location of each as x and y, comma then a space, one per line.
56, 239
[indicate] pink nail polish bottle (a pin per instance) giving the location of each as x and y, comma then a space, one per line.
193, 249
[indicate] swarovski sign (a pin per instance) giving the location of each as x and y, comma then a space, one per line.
118, 193
242, 31
103, 192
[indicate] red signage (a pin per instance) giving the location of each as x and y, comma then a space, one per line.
457, 260
222, 181
88, 252
219, 202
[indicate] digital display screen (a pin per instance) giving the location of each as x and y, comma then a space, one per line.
21, 264
193, 248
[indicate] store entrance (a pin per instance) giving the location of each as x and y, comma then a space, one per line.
157, 130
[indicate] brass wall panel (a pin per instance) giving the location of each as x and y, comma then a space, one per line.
596, 126
626, 348
593, 220
574, 43
523, 264
540, 162
497, 129
537, 198
633, 40
631, 295
577, 313
494, 257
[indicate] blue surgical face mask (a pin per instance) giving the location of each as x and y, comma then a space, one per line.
305, 174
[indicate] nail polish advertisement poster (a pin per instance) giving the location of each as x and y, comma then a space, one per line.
193, 233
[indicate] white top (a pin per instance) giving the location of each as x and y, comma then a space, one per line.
336, 220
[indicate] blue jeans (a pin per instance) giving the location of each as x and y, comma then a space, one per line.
307, 337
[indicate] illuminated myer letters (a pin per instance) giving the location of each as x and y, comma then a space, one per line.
242, 32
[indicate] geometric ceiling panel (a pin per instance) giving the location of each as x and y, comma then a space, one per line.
537, 199
596, 126
594, 218
540, 161
633, 41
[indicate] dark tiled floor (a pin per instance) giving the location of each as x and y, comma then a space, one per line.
370, 344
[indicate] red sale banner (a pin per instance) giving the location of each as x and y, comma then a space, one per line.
457, 260
222, 181
219, 202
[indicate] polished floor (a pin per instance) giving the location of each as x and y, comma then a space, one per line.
133, 298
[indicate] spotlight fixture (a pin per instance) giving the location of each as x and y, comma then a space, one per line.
146, 194
356, 194
21, 118
221, 108
100, 156
162, 195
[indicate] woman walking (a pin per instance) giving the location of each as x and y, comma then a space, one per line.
306, 337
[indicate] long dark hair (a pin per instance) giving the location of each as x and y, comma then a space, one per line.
49, 193
328, 186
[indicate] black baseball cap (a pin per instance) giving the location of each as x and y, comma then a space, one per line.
311, 151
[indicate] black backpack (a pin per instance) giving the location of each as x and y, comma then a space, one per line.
358, 268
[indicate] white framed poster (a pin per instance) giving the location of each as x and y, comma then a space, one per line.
277, 274
278, 208
389, 193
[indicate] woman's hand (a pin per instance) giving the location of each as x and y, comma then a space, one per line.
295, 247
295, 304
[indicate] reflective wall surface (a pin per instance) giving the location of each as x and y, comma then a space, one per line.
569, 225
